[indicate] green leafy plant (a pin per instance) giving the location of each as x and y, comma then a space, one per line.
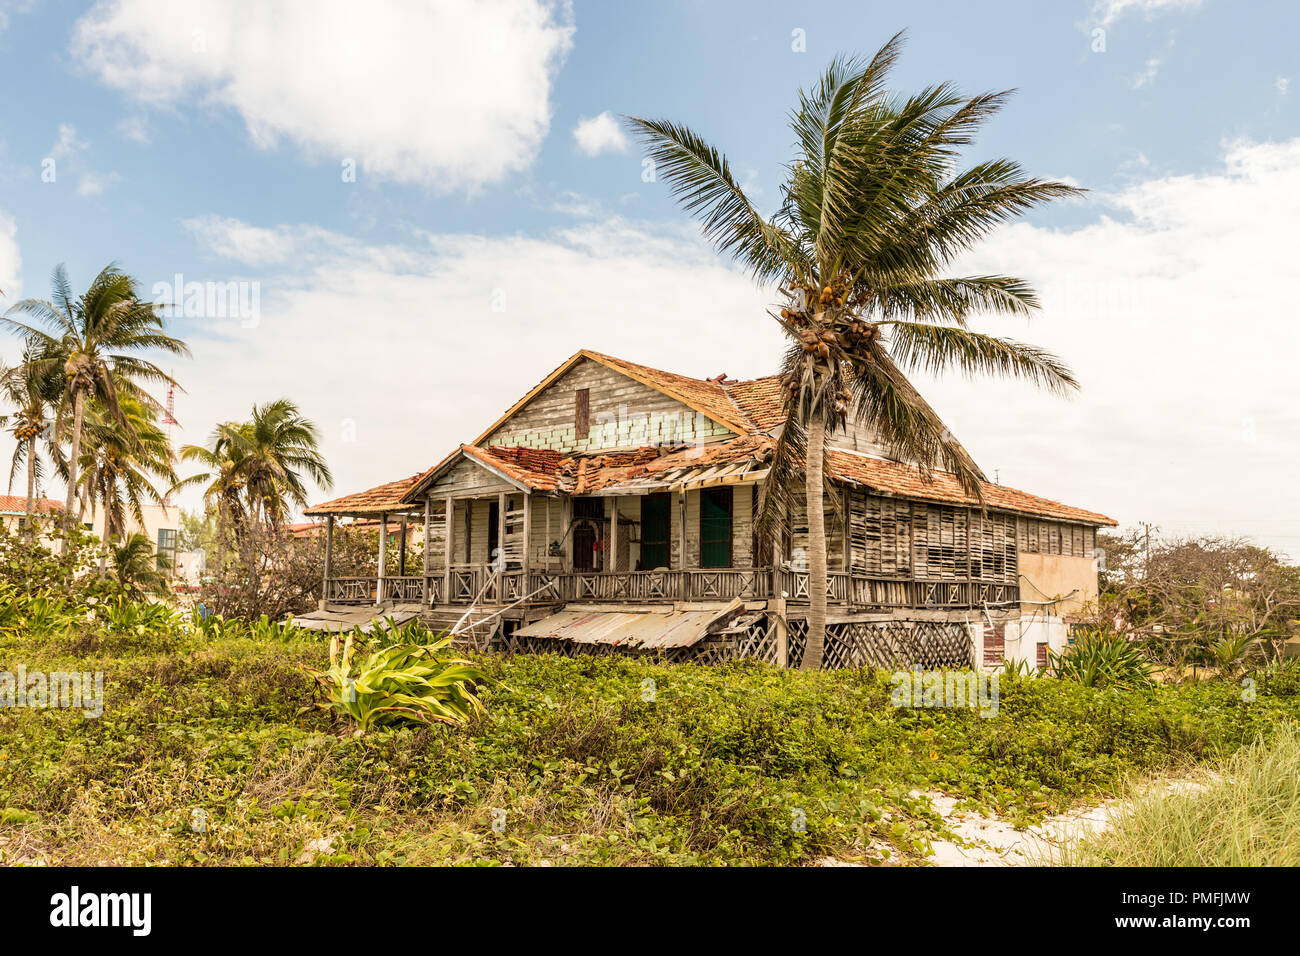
1101, 658
1231, 650
138, 619
399, 684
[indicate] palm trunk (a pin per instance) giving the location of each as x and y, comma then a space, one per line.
814, 650
30, 512
78, 414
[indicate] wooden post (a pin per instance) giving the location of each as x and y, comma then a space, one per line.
611, 549
528, 529
329, 560
401, 562
549, 539
776, 616
503, 503
383, 556
681, 528
566, 526
448, 549
428, 550
845, 537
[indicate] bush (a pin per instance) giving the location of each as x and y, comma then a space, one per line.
1103, 658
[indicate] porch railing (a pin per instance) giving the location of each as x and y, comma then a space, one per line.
408, 589
471, 582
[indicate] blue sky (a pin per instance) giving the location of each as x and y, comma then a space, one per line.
480, 242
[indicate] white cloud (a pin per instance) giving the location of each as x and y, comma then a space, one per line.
600, 134
1106, 12
1174, 307
66, 151
255, 245
10, 262
66, 143
1148, 75
93, 184
1282, 83
136, 129
10, 7
451, 95
378, 337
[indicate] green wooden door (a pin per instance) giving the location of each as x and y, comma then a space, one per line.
655, 535
715, 528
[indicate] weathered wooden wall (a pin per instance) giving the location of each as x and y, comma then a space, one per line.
623, 414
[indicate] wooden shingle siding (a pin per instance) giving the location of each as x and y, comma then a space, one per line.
858, 436
1056, 537
623, 413
895, 538
468, 477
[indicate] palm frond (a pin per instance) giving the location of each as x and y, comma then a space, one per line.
937, 348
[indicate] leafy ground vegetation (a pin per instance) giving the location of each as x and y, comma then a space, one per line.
211, 749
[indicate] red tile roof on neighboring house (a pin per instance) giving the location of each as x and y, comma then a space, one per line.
17, 505
381, 498
906, 481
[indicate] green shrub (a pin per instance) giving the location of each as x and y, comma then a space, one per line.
400, 683
1103, 658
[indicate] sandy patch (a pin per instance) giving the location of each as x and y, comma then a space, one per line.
992, 841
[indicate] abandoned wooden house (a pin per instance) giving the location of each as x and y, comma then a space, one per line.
612, 509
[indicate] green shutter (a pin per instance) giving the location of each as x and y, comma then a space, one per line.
715, 528
655, 535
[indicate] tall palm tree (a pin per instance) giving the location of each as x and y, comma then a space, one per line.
97, 339
277, 448
32, 388
122, 467
222, 482
875, 209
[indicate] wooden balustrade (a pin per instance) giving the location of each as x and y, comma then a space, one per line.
469, 583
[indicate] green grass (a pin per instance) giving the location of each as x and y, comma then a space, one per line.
1244, 811
717, 768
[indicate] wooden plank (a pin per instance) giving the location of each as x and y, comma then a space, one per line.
383, 552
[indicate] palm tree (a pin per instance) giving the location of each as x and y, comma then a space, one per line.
257, 472
31, 387
222, 482
96, 339
874, 211
276, 448
120, 463
137, 568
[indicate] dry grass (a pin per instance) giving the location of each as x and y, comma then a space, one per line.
1242, 812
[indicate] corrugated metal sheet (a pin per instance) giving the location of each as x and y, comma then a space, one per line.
649, 629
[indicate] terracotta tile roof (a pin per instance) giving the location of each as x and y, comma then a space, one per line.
17, 504
905, 481
751, 408
760, 400
534, 467
381, 498
600, 472
710, 398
